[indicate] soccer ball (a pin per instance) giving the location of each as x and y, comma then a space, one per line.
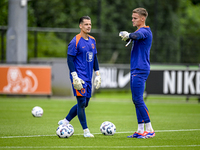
37, 111
65, 131
107, 128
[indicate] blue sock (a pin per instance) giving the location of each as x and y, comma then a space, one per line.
72, 113
81, 103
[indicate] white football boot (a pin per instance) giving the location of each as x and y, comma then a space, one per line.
87, 133
63, 122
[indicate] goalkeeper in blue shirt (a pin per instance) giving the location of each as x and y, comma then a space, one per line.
82, 60
140, 69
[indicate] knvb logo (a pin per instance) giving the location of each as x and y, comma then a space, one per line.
93, 47
89, 56
17, 83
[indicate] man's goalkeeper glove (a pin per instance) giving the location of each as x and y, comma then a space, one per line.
97, 80
124, 35
77, 82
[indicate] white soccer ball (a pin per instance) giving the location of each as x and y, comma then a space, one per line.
65, 131
37, 111
107, 128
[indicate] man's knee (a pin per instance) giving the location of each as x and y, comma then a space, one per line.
81, 102
138, 102
87, 102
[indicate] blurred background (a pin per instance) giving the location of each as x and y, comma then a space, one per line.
51, 24
174, 23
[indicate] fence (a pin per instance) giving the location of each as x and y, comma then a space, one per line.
53, 42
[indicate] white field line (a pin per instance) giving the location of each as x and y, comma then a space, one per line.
93, 147
184, 130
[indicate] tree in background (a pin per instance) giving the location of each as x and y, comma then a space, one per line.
190, 31
163, 20
174, 23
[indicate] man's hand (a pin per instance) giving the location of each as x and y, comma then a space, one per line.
77, 82
97, 80
124, 35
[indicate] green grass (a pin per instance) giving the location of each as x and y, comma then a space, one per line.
175, 121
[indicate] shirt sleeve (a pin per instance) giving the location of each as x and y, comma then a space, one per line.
96, 64
70, 62
136, 35
72, 48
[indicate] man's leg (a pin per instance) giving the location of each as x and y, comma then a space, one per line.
137, 89
82, 102
72, 113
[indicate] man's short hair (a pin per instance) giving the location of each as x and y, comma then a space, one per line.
141, 11
84, 17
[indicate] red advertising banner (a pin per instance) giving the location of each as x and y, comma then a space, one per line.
25, 79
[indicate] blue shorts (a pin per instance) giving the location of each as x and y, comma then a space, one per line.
85, 91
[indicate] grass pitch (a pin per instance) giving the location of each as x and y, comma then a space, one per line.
175, 121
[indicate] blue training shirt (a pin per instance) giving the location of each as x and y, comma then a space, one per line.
84, 51
140, 52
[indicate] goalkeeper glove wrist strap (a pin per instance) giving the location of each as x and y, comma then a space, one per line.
74, 74
97, 73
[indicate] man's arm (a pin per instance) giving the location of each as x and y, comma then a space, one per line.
97, 80
70, 62
96, 64
136, 36
77, 82
129, 37
133, 36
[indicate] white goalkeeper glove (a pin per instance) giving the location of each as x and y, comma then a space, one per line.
124, 35
77, 82
97, 80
